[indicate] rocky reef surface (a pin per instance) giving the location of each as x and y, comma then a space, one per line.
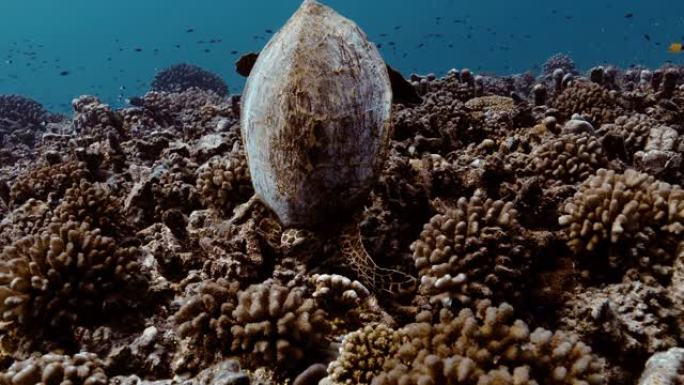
543, 217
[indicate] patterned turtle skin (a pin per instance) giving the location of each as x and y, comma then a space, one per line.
316, 128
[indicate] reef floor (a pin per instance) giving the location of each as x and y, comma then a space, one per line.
543, 217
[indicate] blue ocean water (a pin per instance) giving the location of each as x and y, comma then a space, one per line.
53, 51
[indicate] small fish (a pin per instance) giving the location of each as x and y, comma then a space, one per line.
269, 31
629, 15
233, 52
138, 50
189, 30
647, 37
64, 73
675, 48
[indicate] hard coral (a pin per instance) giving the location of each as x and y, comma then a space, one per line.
19, 112
91, 203
473, 251
363, 354
181, 77
38, 183
631, 217
559, 61
277, 325
26, 219
68, 274
633, 129
94, 119
52, 369
204, 321
567, 159
488, 347
224, 182
589, 99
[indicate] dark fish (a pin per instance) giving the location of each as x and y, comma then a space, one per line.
397, 27
379, 45
64, 73
189, 30
647, 37
421, 45
629, 15
177, 45
392, 43
207, 50
138, 50
269, 31
233, 52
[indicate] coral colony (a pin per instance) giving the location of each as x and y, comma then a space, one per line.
472, 230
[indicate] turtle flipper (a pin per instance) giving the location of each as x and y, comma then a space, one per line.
376, 278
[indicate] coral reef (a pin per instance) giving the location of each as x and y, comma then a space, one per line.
66, 275
363, 354
225, 181
277, 325
628, 220
79, 369
588, 99
205, 320
181, 77
475, 250
39, 183
133, 251
488, 347
567, 159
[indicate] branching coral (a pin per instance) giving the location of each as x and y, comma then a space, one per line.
473, 251
39, 182
363, 354
174, 185
204, 321
66, 275
95, 119
181, 77
18, 112
93, 204
338, 289
589, 99
559, 61
277, 325
567, 159
21, 120
26, 219
488, 347
52, 369
224, 182
631, 217
633, 129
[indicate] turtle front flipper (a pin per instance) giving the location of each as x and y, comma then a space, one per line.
376, 278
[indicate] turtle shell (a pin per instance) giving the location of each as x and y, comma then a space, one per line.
316, 117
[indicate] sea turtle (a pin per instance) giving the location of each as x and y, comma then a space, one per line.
316, 129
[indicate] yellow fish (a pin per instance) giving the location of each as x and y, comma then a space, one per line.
675, 48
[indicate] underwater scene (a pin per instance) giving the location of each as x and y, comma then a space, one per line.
335, 192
